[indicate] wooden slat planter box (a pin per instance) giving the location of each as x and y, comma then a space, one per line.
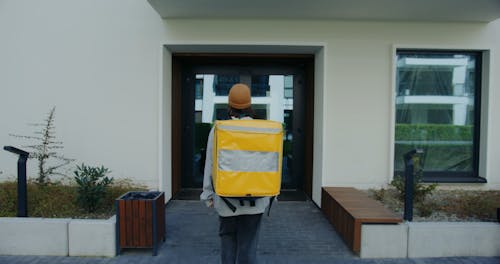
347, 209
140, 220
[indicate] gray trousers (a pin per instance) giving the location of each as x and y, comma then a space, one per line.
239, 237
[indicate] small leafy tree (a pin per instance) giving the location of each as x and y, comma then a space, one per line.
92, 186
45, 150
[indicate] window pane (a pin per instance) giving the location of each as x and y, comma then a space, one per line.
198, 88
435, 110
260, 86
289, 86
222, 83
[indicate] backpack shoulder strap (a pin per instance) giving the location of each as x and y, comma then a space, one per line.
229, 204
270, 204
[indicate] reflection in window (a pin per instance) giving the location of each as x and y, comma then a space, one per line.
261, 111
221, 112
436, 110
199, 88
260, 85
289, 86
197, 116
272, 95
222, 83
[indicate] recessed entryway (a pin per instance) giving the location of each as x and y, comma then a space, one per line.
282, 90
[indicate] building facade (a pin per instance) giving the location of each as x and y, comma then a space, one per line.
380, 85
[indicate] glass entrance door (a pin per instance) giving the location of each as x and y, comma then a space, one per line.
277, 94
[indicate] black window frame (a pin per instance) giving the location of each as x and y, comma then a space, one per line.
449, 176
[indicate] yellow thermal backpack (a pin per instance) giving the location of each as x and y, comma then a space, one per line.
247, 158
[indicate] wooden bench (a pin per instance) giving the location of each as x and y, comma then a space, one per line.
347, 209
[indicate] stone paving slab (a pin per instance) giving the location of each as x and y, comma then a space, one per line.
263, 260
295, 232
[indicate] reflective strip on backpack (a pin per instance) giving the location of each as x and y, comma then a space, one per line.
248, 161
251, 129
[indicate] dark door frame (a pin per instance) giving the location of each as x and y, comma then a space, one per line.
179, 60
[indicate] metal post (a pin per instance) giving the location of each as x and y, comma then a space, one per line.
155, 229
117, 228
22, 197
22, 194
409, 172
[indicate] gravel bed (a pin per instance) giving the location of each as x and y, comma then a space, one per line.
446, 205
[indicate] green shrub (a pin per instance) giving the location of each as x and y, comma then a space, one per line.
8, 199
420, 190
92, 186
379, 195
50, 200
57, 200
43, 200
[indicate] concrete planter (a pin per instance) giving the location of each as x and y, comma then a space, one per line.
73, 237
30, 236
92, 237
384, 241
435, 239
430, 239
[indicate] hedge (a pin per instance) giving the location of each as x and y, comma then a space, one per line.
446, 147
435, 132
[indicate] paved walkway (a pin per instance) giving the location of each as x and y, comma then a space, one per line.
296, 232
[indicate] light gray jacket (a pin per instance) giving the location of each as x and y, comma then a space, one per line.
220, 206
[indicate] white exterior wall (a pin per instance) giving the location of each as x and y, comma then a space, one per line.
99, 63
102, 63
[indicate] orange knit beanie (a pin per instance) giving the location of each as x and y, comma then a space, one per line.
239, 96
